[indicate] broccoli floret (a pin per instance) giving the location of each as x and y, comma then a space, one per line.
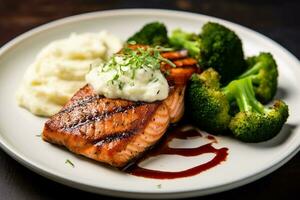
209, 108
245, 124
154, 33
254, 122
216, 46
206, 103
263, 71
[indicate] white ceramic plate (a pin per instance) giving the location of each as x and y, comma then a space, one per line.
245, 163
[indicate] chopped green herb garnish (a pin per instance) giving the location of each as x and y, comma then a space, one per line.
167, 72
155, 80
69, 162
133, 59
131, 83
132, 42
115, 77
90, 68
121, 85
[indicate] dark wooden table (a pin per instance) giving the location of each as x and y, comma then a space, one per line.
279, 20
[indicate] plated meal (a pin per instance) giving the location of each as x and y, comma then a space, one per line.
118, 103
146, 103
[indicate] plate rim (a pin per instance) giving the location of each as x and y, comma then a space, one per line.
48, 173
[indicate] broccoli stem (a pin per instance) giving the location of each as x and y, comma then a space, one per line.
188, 41
253, 71
192, 47
242, 92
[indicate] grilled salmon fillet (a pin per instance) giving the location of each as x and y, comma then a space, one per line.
117, 131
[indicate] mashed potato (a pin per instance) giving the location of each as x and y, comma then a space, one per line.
60, 68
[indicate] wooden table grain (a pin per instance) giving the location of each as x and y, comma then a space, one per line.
279, 20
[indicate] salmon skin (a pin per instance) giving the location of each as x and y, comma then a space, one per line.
117, 131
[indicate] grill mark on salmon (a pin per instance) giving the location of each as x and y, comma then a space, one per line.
97, 116
115, 136
82, 102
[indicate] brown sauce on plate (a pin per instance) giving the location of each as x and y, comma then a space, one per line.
164, 149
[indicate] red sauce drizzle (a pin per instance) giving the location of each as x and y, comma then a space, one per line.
163, 148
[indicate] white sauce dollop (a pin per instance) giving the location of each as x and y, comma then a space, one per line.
147, 85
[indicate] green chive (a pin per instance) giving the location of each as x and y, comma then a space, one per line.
140, 58
69, 162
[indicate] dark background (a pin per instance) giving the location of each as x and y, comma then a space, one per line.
279, 20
